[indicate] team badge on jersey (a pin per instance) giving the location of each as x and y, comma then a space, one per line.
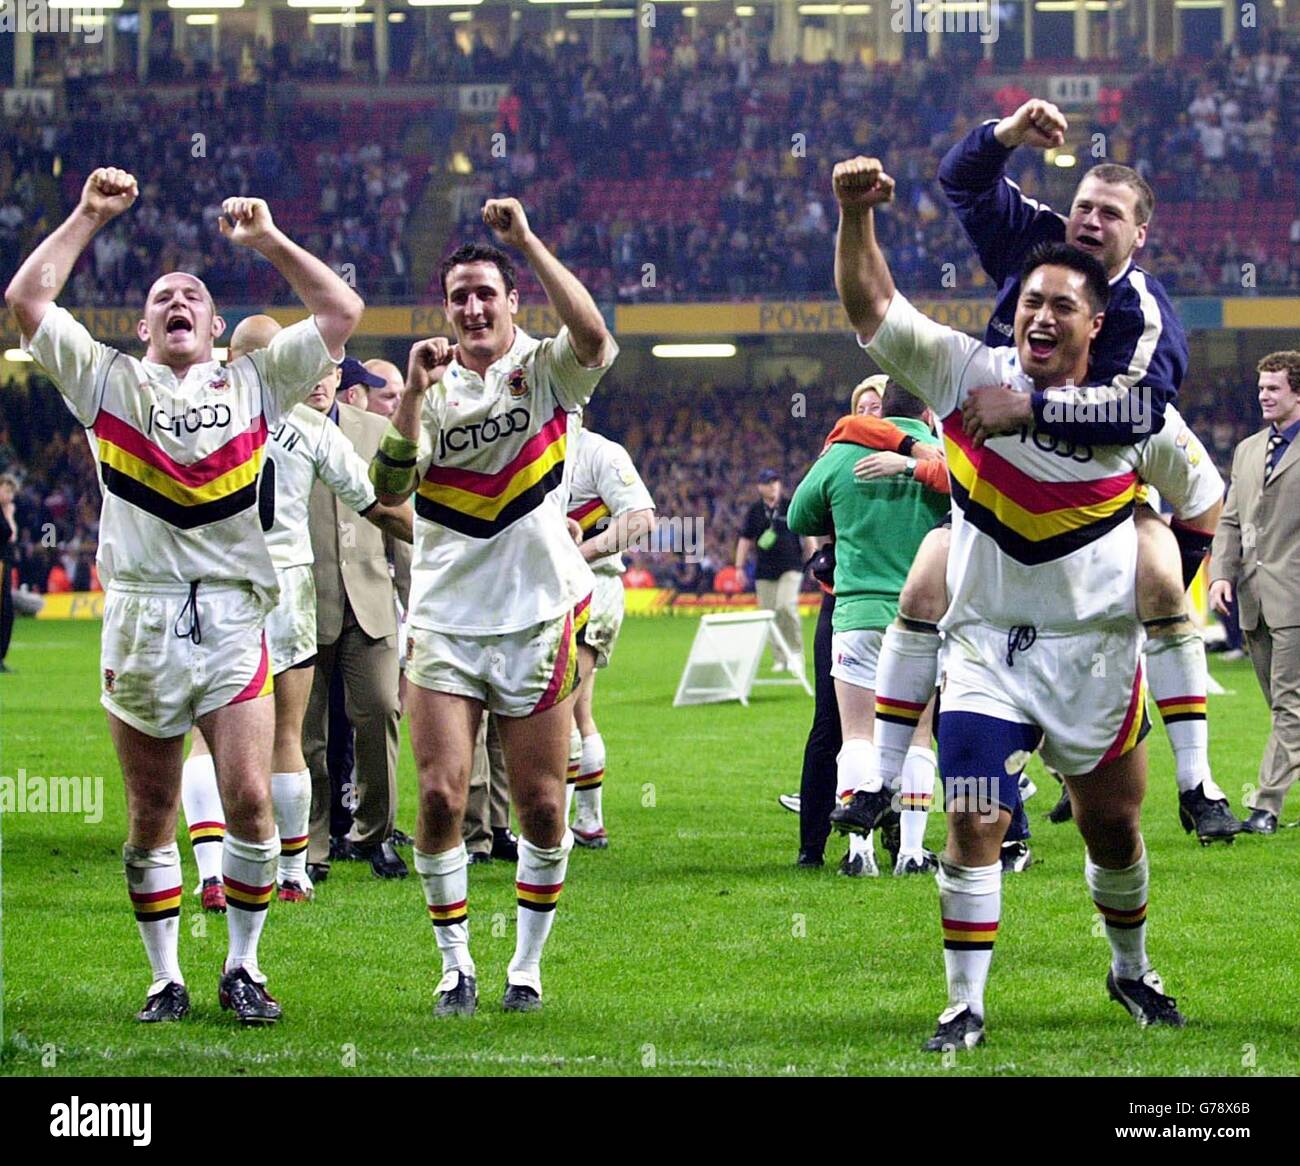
518, 383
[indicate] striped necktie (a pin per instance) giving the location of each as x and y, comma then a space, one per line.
1274, 454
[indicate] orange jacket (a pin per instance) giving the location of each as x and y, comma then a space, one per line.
875, 433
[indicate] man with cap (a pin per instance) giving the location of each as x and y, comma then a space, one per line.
781, 555
356, 632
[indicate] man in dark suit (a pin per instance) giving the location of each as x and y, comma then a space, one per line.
356, 630
1257, 560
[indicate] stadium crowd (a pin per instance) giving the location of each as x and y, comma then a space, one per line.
737, 154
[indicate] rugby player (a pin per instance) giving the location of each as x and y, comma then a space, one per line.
486, 428
305, 447
613, 510
1138, 362
179, 440
1041, 645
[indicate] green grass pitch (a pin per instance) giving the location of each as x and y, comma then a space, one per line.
691, 946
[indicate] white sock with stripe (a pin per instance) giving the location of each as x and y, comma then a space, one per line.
905, 676
591, 775
571, 772
856, 767
291, 801
153, 881
204, 816
445, 878
539, 878
919, 768
248, 869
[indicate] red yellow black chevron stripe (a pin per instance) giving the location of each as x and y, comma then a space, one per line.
1031, 520
207, 832
445, 914
916, 801
591, 780
291, 846
581, 617
962, 935
1181, 708
1125, 920
246, 897
1136, 723
588, 516
483, 505
216, 487
898, 712
564, 676
151, 906
538, 896
263, 682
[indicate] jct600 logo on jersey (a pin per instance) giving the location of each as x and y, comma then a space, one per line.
481, 433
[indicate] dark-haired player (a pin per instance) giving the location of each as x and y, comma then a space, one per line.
1137, 364
485, 435
1041, 575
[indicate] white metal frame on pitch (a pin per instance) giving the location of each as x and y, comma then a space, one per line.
740, 669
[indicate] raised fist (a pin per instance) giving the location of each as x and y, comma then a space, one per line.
429, 359
108, 192
860, 183
245, 221
1036, 123
507, 219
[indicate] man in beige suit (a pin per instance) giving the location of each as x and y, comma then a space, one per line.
1257, 558
356, 630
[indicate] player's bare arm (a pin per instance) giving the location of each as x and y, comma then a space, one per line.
1037, 123
393, 469
397, 521
247, 222
572, 302
862, 275
107, 192
624, 530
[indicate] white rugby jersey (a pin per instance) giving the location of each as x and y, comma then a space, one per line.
305, 446
179, 460
492, 551
1041, 530
605, 484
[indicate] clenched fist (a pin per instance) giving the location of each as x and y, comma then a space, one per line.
108, 192
507, 219
1036, 123
861, 183
429, 359
246, 221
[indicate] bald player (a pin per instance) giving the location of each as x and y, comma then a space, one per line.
384, 400
178, 439
304, 448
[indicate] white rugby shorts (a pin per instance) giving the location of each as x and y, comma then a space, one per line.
291, 625
170, 654
604, 617
854, 656
1085, 691
517, 674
